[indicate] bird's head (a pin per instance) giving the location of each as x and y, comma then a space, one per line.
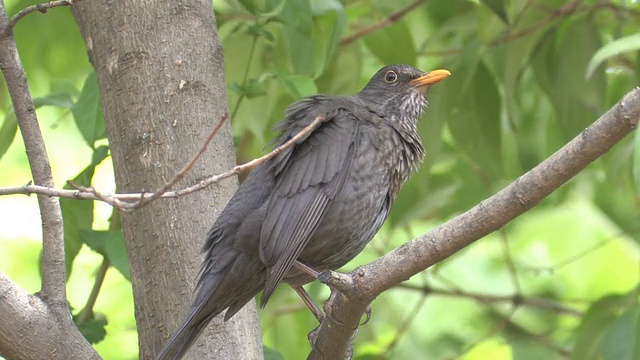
400, 91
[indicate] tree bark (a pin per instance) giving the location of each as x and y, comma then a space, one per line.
161, 77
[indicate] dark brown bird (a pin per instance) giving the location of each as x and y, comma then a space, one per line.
319, 202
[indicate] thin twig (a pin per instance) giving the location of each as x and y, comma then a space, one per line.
565, 11
86, 313
43, 7
391, 19
405, 326
516, 300
253, 163
508, 259
183, 172
127, 202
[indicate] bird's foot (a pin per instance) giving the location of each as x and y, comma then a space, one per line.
367, 312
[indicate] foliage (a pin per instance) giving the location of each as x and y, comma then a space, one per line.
561, 281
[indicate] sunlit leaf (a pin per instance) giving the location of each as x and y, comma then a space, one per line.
619, 46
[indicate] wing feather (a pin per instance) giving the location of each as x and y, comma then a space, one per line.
313, 174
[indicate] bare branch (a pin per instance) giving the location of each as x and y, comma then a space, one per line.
362, 285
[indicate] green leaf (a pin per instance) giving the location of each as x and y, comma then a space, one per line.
94, 330
274, 12
8, 132
257, 30
329, 24
61, 100
297, 21
298, 86
559, 67
393, 44
87, 111
474, 117
619, 46
498, 7
531, 350
77, 215
271, 354
622, 342
596, 324
252, 89
109, 244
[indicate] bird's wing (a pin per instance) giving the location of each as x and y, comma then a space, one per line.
308, 178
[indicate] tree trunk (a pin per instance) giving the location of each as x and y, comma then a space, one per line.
161, 77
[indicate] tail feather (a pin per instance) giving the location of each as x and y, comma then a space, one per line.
219, 289
183, 337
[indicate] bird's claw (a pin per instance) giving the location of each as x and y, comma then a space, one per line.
367, 312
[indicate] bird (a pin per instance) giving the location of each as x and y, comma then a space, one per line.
319, 202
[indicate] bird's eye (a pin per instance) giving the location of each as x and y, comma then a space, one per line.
390, 77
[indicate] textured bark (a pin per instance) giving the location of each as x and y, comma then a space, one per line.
161, 78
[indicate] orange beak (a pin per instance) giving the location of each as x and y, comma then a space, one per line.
430, 78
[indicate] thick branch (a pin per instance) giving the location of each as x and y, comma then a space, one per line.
53, 270
23, 315
365, 283
31, 331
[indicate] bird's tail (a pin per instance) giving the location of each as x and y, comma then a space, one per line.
229, 284
184, 336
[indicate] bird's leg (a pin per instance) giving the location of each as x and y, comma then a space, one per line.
315, 274
306, 269
328, 307
309, 302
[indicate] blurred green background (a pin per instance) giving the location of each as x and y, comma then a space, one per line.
561, 281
